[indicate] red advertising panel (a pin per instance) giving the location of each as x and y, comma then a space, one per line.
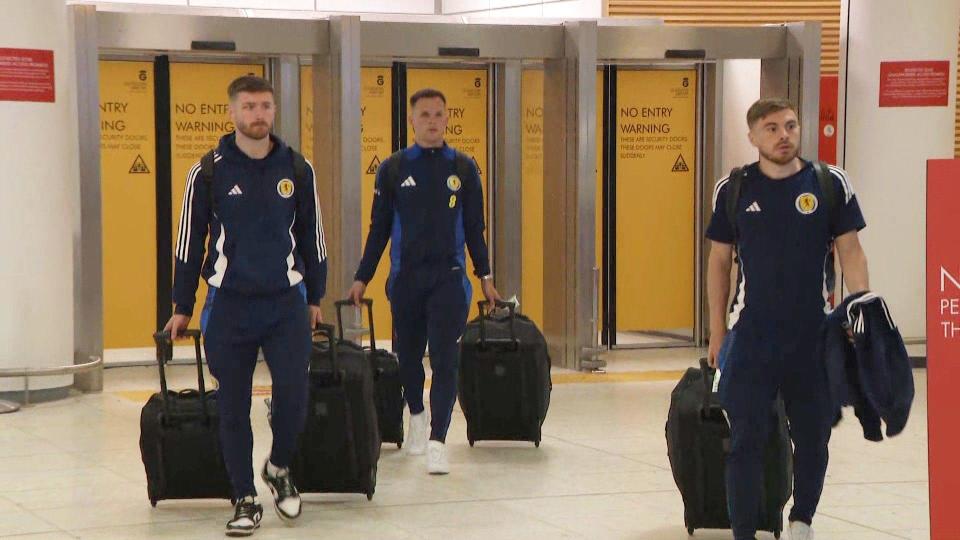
26, 75
914, 84
943, 345
828, 119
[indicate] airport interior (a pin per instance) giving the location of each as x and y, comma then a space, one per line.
602, 133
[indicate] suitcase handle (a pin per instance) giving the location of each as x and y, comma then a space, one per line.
327, 331
709, 374
484, 306
368, 302
165, 355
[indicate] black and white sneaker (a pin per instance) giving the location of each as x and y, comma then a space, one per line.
286, 499
246, 518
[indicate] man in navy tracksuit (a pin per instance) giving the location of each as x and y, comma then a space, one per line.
266, 270
428, 201
782, 237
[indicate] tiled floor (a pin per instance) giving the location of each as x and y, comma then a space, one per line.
72, 469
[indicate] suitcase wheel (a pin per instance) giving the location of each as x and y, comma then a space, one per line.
537, 444
373, 483
690, 531
399, 445
777, 535
471, 443
153, 503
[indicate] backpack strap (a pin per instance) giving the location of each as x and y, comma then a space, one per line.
832, 199
299, 166
206, 166
830, 196
393, 164
206, 171
463, 165
734, 186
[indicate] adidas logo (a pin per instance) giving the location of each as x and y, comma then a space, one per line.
755, 207
409, 182
235, 191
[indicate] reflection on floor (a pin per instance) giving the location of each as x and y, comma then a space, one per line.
72, 469
654, 339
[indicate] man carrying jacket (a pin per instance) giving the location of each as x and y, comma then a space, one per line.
266, 270
782, 235
428, 202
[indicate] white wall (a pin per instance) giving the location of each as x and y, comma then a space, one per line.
283, 8
886, 148
38, 185
566, 9
579, 9
741, 87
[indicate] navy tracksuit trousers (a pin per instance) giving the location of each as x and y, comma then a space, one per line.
753, 371
430, 305
235, 327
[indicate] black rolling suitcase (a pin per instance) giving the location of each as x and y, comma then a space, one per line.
504, 377
388, 391
179, 436
698, 439
340, 444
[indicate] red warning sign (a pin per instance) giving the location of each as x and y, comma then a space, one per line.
26, 75
914, 84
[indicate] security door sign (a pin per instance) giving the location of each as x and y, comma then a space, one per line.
199, 116
656, 157
376, 104
466, 93
128, 191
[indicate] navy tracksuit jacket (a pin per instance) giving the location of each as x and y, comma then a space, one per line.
429, 213
266, 261
873, 374
780, 301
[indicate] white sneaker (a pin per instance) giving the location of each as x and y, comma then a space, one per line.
800, 531
417, 433
437, 458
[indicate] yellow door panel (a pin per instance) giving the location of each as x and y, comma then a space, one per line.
532, 162
531, 303
376, 102
656, 145
376, 111
128, 192
598, 245
306, 112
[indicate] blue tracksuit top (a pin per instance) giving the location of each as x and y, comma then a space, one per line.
427, 212
265, 229
785, 235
